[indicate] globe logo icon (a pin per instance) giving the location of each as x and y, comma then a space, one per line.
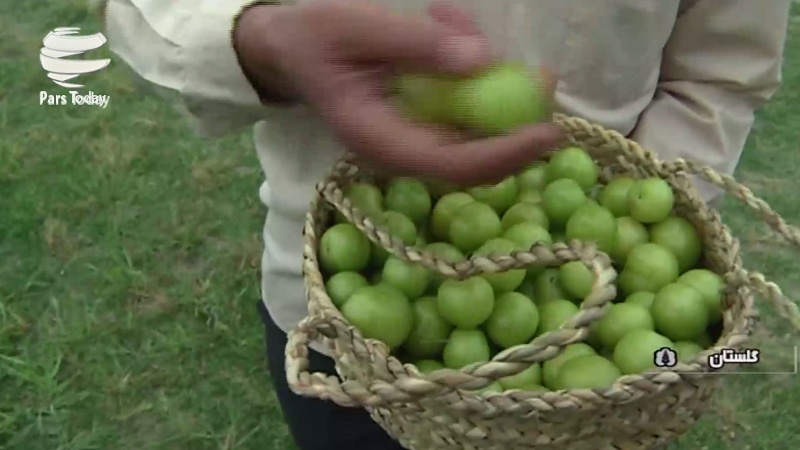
63, 43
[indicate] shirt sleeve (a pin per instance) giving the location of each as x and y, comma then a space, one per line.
721, 63
183, 48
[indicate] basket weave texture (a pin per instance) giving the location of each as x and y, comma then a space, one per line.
441, 411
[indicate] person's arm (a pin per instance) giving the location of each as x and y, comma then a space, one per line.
184, 47
722, 62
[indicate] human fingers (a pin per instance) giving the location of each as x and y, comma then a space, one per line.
381, 135
364, 31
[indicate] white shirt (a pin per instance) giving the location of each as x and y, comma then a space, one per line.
682, 77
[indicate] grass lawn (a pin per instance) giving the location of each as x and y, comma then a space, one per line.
129, 255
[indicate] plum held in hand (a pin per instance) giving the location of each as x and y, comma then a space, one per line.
426, 98
501, 99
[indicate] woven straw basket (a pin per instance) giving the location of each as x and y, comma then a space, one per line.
441, 411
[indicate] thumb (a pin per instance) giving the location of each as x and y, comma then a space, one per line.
368, 32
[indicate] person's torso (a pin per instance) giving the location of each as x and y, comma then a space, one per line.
606, 54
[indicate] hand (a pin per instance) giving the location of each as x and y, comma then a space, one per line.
338, 58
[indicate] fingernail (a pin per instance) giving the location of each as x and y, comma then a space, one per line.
462, 53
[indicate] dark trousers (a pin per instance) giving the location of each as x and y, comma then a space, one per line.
316, 424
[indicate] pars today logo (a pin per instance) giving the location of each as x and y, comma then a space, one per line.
60, 46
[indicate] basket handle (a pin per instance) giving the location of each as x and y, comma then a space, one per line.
349, 393
741, 192
405, 384
600, 138
331, 190
539, 253
756, 281
317, 384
